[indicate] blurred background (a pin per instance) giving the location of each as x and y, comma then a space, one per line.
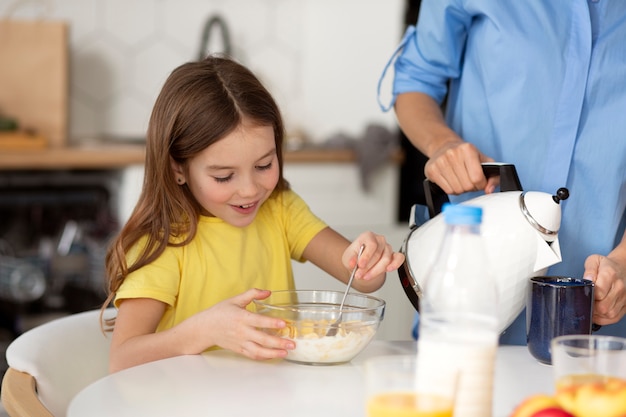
62, 201
320, 58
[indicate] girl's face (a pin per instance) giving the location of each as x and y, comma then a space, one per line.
233, 177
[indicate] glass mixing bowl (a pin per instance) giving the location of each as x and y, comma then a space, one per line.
309, 315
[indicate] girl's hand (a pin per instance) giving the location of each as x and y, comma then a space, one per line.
237, 329
377, 258
227, 324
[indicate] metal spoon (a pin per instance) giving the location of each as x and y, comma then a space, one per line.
332, 331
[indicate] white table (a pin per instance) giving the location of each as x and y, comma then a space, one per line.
222, 383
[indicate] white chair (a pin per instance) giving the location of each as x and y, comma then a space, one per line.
50, 363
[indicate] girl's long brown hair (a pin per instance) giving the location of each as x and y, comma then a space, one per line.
200, 103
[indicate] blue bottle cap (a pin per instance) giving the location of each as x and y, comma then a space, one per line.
462, 214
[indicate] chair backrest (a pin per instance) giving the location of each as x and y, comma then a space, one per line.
64, 356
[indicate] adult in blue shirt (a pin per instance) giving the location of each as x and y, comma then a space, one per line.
542, 85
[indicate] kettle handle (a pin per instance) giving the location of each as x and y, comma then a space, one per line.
509, 181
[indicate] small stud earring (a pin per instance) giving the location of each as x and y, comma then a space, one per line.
179, 180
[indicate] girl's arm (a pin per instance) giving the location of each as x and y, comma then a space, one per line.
227, 324
336, 255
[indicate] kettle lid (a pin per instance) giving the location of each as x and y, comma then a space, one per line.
543, 211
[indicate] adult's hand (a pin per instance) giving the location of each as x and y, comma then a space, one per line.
453, 164
456, 168
609, 275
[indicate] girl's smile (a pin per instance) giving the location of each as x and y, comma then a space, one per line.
233, 177
246, 209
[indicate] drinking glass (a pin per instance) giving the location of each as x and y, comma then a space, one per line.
590, 374
391, 389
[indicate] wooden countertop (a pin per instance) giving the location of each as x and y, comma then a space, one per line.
90, 156
320, 154
114, 156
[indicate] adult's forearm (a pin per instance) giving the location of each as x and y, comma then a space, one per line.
421, 119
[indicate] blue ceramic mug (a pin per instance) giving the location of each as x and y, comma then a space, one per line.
556, 306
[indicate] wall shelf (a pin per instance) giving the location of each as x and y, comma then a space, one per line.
114, 156
84, 157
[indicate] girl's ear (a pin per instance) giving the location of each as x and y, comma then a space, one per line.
179, 173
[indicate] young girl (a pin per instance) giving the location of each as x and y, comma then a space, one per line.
215, 222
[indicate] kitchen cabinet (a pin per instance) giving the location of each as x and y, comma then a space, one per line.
48, 195
119, 160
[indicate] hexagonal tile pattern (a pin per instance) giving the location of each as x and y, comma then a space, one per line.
121, 52
130, 21
184, 24
127, 118
152, 66
99, 68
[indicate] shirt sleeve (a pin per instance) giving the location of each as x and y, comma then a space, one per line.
301, 224
432, 54
158, 280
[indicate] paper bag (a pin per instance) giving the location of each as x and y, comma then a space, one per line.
34, 60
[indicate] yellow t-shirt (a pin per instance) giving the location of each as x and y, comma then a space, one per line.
223, 260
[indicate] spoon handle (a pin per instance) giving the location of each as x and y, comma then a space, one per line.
356, 266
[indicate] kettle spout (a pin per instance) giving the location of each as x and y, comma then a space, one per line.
548, 253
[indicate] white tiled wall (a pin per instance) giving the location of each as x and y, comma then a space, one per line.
320, 58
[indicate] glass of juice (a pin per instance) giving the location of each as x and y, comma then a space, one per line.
391, 389
590, 374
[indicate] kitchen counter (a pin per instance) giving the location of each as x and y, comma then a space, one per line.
113, 156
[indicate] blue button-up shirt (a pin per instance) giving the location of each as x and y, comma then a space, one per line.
540, 84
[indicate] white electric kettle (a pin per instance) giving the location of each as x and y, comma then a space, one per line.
520, 230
